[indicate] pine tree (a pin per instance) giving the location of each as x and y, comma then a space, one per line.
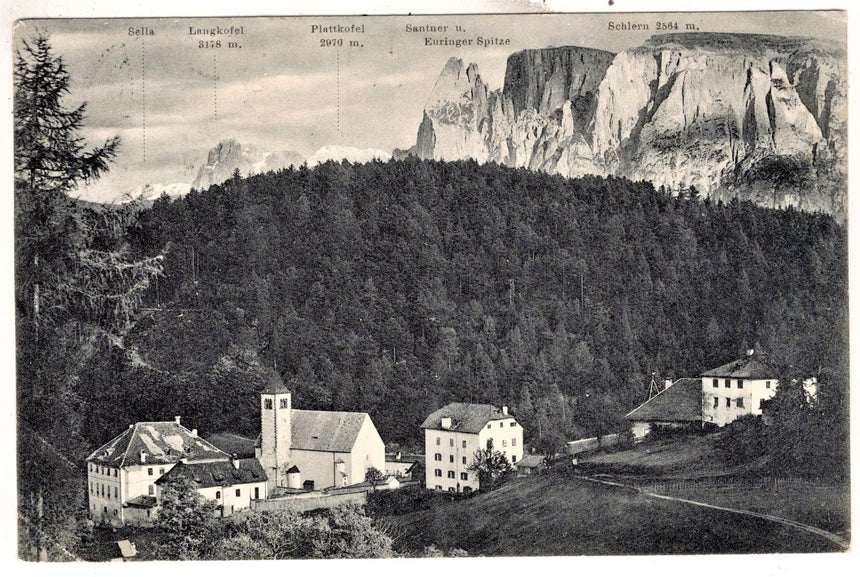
75, 280
71, 262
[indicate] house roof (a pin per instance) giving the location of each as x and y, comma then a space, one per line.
680, 402
141, 502
332, 431
233, 444
755, 366
465, 417
217, 473
162, 441
530, 461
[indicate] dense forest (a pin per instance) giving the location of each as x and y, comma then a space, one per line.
396, 287
391, 288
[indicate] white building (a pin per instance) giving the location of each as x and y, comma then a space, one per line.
232, 484
737, 388
454, 433
328, 448
122, 473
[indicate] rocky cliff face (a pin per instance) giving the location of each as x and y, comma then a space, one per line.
230, 155
757, 117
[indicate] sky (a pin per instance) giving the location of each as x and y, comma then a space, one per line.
170, 100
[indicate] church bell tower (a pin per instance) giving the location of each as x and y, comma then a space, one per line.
276, 434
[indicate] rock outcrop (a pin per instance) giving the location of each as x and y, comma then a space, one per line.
750, 116
229, 155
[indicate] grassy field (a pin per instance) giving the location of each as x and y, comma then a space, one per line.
654, 466
558, 515
827, 507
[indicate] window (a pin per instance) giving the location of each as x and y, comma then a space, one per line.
116, 472
514, 442
116, 492
513, 458
740, 403
238, 492
151, 490
451, 475
217, 494
91, 487
740, 383
267, 403
451, 489
149, 471
438, 487
728, 402
161, 470
450, 458
437, 472
504, 442
437, 457
285, 403
513, 423
438, 440
716, 383
767, 384
464, 460
451, 442
464, 444
728, 383
489, 425
257, 492
716, 402
114, 513
464, 476
91, 468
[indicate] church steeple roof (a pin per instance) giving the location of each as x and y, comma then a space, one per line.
275, 384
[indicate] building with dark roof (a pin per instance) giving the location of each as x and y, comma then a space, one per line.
455, 432
121, 474
716, 398
738, 388
679, 405
329, 448
232, 483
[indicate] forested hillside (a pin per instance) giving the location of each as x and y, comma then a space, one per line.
396, 287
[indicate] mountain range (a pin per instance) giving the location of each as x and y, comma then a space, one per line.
761, 118
230, 155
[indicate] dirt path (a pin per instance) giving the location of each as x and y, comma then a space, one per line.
840, 541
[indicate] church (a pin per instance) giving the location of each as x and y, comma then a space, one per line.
313, 450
